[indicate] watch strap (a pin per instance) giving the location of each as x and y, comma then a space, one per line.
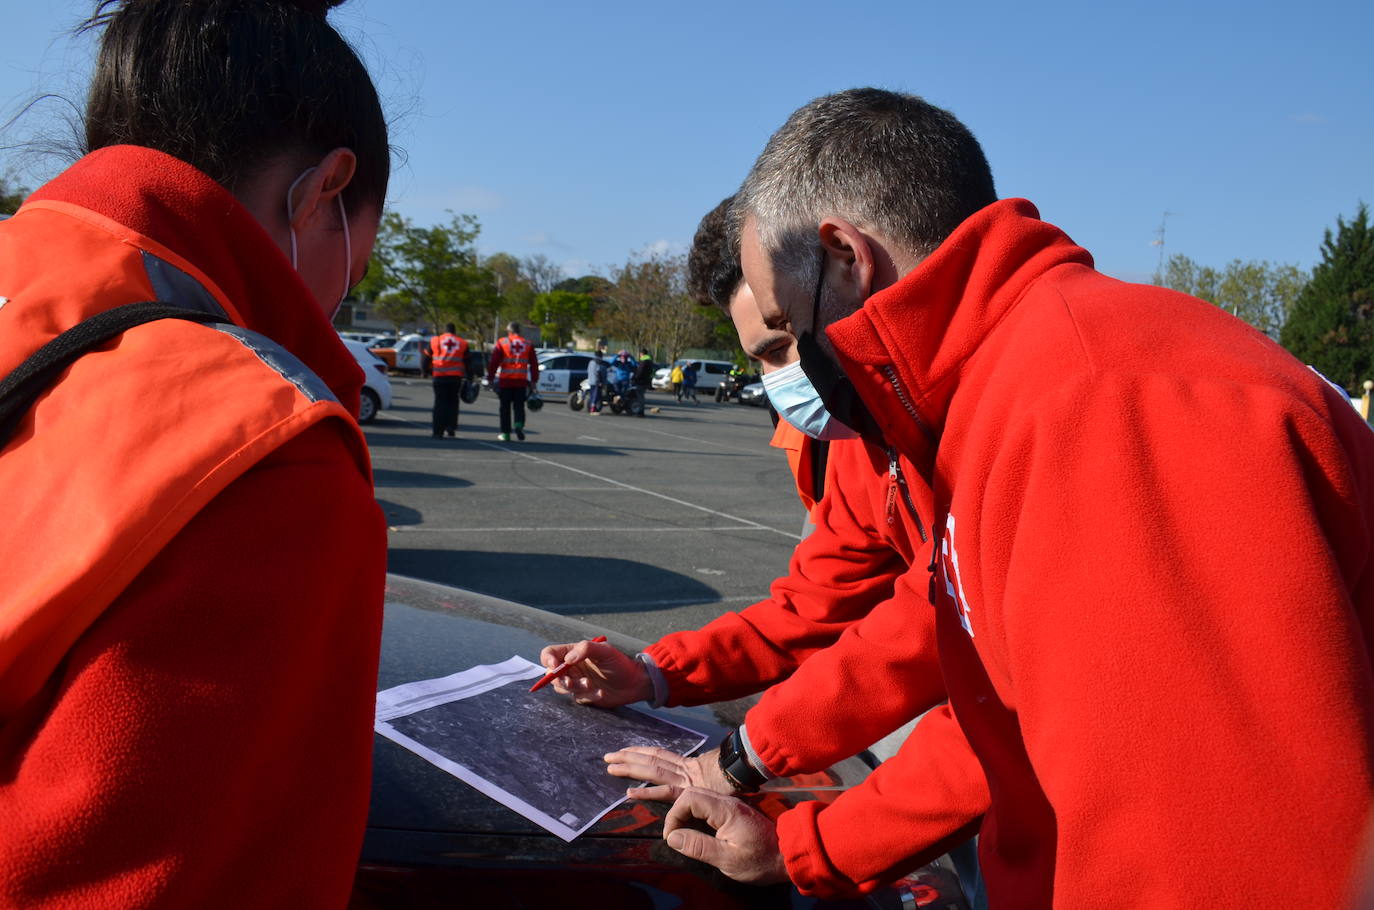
735, 765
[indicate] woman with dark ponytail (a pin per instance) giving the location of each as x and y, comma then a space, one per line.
194, 560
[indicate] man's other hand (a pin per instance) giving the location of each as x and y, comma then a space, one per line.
745, 843
600, 674
668, 772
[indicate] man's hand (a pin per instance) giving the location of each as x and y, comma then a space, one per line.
668, 771
600, 675
745, 845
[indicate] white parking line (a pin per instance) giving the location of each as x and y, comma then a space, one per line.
658, 530
672, 499
706, 442
621, 605
379, 456
531, 488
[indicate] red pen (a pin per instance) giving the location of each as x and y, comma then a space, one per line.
557, 671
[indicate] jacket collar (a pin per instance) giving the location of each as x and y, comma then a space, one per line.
179, 207
906, 348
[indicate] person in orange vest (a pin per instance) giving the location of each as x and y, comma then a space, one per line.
513, 370
191, 609
448, 357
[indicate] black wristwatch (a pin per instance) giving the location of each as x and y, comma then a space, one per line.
735, 765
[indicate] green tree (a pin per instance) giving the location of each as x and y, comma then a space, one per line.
1257, 292
12, 195
560, 313
429, 274
1332, 323
516, 295
648, 306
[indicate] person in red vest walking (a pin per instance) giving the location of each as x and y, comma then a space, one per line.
513, 370
448, 355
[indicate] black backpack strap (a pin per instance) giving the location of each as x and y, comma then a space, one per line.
41, 369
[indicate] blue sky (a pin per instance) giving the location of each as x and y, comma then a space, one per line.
588, 131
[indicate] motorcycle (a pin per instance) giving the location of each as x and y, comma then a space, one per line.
629, 401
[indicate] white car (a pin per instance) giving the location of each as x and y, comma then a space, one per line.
562, 372
404, 355
709, 373
376, 386
753, 394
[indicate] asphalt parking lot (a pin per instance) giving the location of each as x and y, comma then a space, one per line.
642, 525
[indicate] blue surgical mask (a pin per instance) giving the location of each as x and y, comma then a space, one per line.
797, 401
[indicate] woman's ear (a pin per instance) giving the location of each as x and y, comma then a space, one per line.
318, 186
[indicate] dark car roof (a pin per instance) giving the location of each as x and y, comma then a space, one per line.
421, 817
433, 630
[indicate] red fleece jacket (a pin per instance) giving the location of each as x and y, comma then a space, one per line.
207, 742
1155, 590
847, 644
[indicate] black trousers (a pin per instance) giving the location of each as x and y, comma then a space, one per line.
446, 401
512, 398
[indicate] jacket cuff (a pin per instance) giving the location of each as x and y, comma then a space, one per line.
758, 763
656, 679
804, 855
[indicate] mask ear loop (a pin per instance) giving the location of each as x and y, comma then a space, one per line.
816, 300
828, 379
348, 251
291, 211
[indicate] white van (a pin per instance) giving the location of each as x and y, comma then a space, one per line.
709, 373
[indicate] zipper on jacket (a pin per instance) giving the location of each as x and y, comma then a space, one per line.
891, 373
896, 483
934, 565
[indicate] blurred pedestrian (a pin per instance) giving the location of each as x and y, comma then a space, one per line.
513, 370
192, 597
448, 363
596, 377
675, 377
622, 370
644, 378
689, 382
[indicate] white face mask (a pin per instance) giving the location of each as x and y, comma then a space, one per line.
798, 403
348, 241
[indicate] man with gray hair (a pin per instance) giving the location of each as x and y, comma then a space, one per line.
1153, 578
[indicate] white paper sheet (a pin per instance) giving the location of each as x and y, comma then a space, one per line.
535, 752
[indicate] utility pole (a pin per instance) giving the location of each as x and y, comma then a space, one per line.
1159, 242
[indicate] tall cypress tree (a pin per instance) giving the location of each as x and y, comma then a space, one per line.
1331, 326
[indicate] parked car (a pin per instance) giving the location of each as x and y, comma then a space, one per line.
376, 386
434, 841
732, 384
367, 338
753, 394
405, 354
561, 373
709, 373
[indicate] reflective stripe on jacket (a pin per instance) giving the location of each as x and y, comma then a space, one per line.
514, 368
448, 355
133, 439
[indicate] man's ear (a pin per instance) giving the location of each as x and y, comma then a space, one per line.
849, 254
322, 184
